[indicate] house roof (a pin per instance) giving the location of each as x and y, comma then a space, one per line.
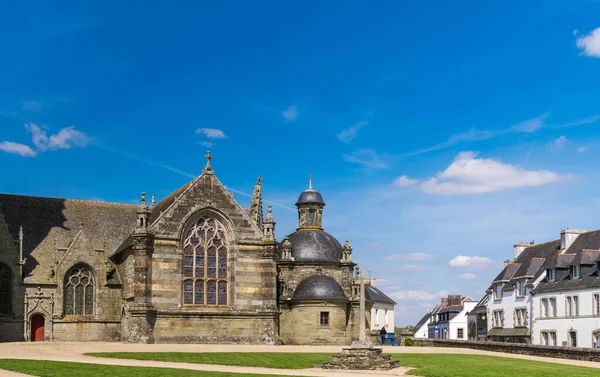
584, 251
51, 226
422, 321
528, 265
374, 294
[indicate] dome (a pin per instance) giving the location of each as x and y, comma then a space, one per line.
319, 287
315, 245
310, 196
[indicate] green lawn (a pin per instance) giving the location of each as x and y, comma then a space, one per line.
440, 365
265, 360
44, 368
428, 365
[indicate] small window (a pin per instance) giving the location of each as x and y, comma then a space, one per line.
521, 289
459, 333
553, 306
311, 217
596, 304
569, 306
545, 338
572, 339
498, 292
386, 318
575, 272
376, 318
324, 319
551, 273
553, 338
545, 311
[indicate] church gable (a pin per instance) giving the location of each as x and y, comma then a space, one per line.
206, 191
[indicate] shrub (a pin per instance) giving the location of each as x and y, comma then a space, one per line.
409, 342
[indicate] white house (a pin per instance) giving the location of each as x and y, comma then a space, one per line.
421, 328
382, 312
549, 294
449, 319
509, 306
566, 302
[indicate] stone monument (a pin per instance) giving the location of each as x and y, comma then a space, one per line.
361, 355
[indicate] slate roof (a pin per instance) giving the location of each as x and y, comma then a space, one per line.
314, 245
50, 225
422, 321
319, 287
584, 251
528, 265
310, 196
374, 294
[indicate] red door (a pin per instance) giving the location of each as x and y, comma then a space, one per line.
37, 328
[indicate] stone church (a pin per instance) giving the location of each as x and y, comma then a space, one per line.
195, 267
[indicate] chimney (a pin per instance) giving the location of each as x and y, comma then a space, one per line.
568, 236
454, 299
506, 262
444, 300
520, 247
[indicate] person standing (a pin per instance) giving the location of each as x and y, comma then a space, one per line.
383, 334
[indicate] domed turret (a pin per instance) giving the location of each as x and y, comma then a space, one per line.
310, 208
317, 288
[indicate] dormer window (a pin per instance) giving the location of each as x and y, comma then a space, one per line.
498, 292
551, 274
521, 289
575, 271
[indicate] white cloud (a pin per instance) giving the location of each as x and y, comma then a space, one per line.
33, 106
464, 261
211, 133
404, 181
368, 158
529, 126
467, 277
582, 149
16, 148
349, 133
291, 113
375, 245
590, 44
206, 144
558, 143
411, 257
66, 138
470, 175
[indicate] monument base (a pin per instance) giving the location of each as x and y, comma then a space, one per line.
361, 358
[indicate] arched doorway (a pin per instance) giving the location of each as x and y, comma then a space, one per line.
37, 328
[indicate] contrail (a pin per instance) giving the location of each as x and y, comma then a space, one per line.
115, 150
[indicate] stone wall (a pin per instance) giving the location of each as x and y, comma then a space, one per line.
202, 327
86, 331
573, 353
301, 324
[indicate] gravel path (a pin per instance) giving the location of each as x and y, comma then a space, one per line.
74, 352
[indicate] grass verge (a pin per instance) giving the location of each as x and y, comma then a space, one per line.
43, 368
427, 365
242, 359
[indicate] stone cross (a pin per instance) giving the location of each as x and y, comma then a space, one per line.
208, 157
361, 335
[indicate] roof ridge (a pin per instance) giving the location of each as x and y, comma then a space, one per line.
69, 200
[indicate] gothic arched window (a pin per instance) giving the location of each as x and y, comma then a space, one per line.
79, 292
205, 270
5, 289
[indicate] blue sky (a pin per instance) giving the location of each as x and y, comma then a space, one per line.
438, 134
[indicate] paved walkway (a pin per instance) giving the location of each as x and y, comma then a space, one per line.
74, 352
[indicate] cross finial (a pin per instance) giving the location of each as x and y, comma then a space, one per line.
310, 181
208, 157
